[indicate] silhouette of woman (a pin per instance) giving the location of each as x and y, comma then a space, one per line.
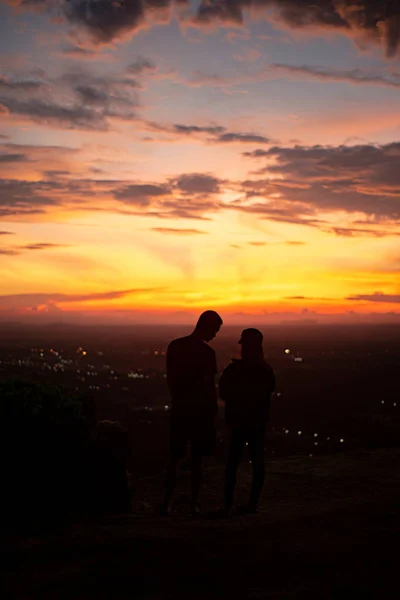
246, 386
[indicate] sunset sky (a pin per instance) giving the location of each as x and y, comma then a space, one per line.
163, 158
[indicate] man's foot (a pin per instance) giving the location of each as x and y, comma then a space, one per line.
195, 510
220, 513
248, 509
165, 510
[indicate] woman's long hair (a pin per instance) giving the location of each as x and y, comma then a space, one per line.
253, 353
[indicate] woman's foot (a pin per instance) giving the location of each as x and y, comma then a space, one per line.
221, 513
248, 509
165, 510
195, 510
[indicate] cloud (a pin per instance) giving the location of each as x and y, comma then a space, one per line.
376, 297
32, 300
366, 21
16, 250
142, 66
243, 138
13, 158
174, 231
21, 84
257, 243
26, 197
140, 194
354, 179
42, 246
211, 134
197, 183
355, 76
8, 252
76, 100
81, 53
357, 232
6, 232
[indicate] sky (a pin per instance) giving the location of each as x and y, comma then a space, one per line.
158, 159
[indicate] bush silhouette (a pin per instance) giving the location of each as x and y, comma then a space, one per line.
52, 463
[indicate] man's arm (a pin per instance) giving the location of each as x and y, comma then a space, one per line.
171, 368
210, 386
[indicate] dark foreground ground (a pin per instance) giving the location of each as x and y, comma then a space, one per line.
328, 528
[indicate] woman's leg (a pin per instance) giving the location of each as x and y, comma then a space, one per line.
256, 451
236, 445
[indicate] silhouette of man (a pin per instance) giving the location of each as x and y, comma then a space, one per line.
191, 370
246, 386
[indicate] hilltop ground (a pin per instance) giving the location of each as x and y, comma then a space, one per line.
328, 528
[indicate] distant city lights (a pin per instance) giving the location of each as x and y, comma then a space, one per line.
341, 440
315, 434
299, 432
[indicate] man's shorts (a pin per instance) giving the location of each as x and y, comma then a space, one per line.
198, 432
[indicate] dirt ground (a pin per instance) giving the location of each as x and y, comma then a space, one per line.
328, 527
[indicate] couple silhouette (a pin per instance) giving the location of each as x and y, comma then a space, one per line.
245, 387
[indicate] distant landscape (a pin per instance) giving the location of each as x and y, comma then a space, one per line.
336, 385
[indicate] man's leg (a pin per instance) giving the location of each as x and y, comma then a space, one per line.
236, 446
170, 484
196, 479
178, 447
256, 451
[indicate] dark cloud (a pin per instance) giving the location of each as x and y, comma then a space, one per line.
140, 194
15, 250
74, 100
50, 112
366, 21
9, 252
80, 53
197, 183
20, 85
106, 20
26, 197
6, 232
355, 76
256, 154
220, 135
376, 21
42, 246
190, 129
13, 158
172, 230
357, 232
243, 138
376, 297
33, 300
142, 65
355, 179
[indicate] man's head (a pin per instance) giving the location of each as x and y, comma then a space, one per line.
208, 325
